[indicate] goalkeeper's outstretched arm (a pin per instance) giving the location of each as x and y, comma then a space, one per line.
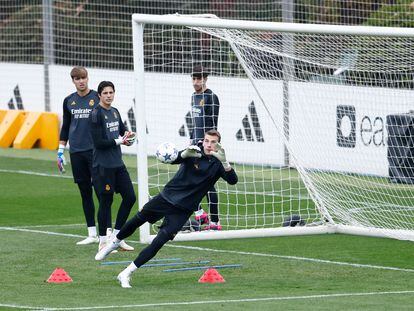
230, 176
229, 173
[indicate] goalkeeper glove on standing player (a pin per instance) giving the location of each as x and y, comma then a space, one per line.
61, 161
128, 139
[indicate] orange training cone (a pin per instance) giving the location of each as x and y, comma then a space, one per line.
59, 276
211, 276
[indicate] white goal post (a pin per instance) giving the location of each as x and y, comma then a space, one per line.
315, 119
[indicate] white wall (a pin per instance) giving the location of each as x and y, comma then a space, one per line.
29, 79
313, 135
313, 123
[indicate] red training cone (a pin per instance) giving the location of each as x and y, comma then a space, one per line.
211, 276
59, 276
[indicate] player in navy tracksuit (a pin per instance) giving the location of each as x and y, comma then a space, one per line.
75, 129
181, 196
109, 172
205, 107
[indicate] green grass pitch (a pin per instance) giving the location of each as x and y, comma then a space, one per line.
41, 220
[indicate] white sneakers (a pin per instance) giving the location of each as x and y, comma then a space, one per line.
125, 247
106, 249
124, 279
94, 239
88, 240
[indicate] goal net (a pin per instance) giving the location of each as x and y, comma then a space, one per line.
315, 120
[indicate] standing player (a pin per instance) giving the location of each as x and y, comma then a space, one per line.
109, 171
205, 107
181, 196
75, 129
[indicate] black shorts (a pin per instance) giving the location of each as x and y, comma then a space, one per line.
110, 180
81, 166
157, 208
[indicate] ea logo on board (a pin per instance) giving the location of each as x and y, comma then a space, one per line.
345, 126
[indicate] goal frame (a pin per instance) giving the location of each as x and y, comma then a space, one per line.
138, 24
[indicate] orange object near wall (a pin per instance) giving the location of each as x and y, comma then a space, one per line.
10, 125
39, 129
2, 114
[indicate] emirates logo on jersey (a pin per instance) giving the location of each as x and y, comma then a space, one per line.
91, 102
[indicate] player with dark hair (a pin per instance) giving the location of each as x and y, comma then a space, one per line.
109, 172
75, 129
181, 196
205, 107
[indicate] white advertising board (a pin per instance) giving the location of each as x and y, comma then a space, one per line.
313, 114
27, 80
313, 126
167, 109
167, 104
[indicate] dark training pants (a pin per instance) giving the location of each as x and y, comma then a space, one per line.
107, 181
81, 163
212, 199
156, 209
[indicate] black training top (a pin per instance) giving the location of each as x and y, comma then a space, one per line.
106, 126
75, 125
194, 179
204, 111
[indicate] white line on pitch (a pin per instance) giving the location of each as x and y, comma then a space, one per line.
52, 226
231, 252
35, 173
227, 301
293, 257
40, 231
40, 174
19, 307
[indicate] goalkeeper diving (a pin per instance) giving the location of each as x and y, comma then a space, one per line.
199, 171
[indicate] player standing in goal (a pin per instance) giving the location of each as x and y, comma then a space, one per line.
75, 129
181, 196
205, 107
109, 172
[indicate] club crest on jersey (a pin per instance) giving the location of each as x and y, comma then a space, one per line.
115, 115
201, 103
107, 187
91, 102
196, 166
73, 103
105, 117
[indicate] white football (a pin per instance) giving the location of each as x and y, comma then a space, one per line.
166, 152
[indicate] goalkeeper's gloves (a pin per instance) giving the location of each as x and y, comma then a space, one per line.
220, 154
191, 152
61, 161
127, 140
130, 138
